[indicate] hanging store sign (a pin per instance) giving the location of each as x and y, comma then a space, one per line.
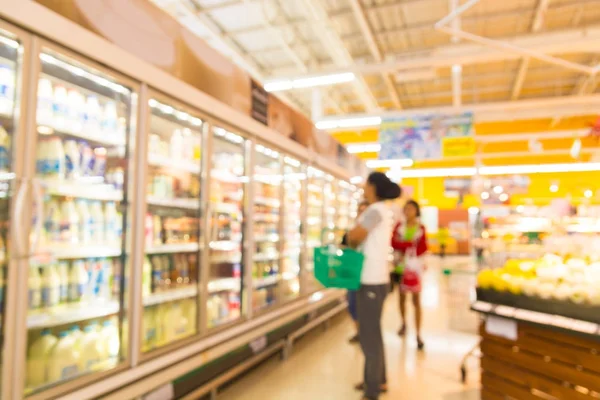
426, 137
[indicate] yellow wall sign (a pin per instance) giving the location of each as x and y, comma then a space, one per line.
458, 146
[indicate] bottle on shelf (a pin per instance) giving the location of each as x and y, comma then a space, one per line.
34, 284
92, 115
60, 107
64, 359
38, 356
98, 223
78, 281
110, 335
69, 225
45, 95
93, 351
75, 101
50, 286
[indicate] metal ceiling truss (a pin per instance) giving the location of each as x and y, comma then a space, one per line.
444, 25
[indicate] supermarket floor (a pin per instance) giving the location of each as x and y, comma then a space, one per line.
325, 366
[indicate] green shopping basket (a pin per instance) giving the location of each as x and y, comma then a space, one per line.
338, 268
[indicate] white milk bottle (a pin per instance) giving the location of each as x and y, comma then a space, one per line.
37, 359
97, 213
86, 159
64, 359
50, 286
92, 348
78, 281
45, 113
85, 222
63, 274
105, 279
4, 150
34, 288
111, 222
69, 225
110, 336
176, 145
99, 167
74, 106
60, 107
52, 221
54, 156
188, 145
109, 120
72, 159
92, 116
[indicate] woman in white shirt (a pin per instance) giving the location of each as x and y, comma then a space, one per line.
372, 236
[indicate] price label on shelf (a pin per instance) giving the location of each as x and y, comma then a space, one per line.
502, 327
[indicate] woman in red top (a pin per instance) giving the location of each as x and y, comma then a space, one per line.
409, 241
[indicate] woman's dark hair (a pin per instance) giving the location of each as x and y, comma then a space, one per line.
385, 189
415, 205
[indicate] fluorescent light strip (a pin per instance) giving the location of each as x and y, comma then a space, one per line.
501, 170
407, 162
363, 148
349, 123
315, 81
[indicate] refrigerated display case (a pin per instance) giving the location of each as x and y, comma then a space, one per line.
267, 181
170, 272
330, 211
77, 296
138, 260
315, 202
226, 236
345, 207
293, 241
11, 75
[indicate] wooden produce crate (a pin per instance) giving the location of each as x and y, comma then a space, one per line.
542, 363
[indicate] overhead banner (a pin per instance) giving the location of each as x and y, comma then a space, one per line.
427, 137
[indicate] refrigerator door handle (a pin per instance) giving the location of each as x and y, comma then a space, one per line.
19, 204
39, 223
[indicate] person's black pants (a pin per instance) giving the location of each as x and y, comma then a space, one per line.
370, 299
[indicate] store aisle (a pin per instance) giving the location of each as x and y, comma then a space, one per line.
325, 366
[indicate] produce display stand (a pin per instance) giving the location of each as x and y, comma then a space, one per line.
549, 356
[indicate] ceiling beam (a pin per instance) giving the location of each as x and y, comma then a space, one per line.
338, 52
587, 84
502, 111
581, 40
536, 26
365, 27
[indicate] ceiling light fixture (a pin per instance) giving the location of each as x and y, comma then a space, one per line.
348, 123
406, 162
497, 170
313, 81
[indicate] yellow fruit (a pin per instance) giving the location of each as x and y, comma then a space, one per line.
485, 278
500, 283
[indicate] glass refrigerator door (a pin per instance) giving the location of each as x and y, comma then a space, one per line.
10, 71
330, 203
76, 279
293, 177
266, 272
314, 222
226, 213
172, 227
343, 216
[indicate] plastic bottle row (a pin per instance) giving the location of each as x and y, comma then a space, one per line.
74, 159
168, 322
82, 222
81, 281
68, 108
222, 307
183, 145
166, 186
165, 272
51, 357
160, 230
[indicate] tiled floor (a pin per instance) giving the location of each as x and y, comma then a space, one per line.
323, 366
